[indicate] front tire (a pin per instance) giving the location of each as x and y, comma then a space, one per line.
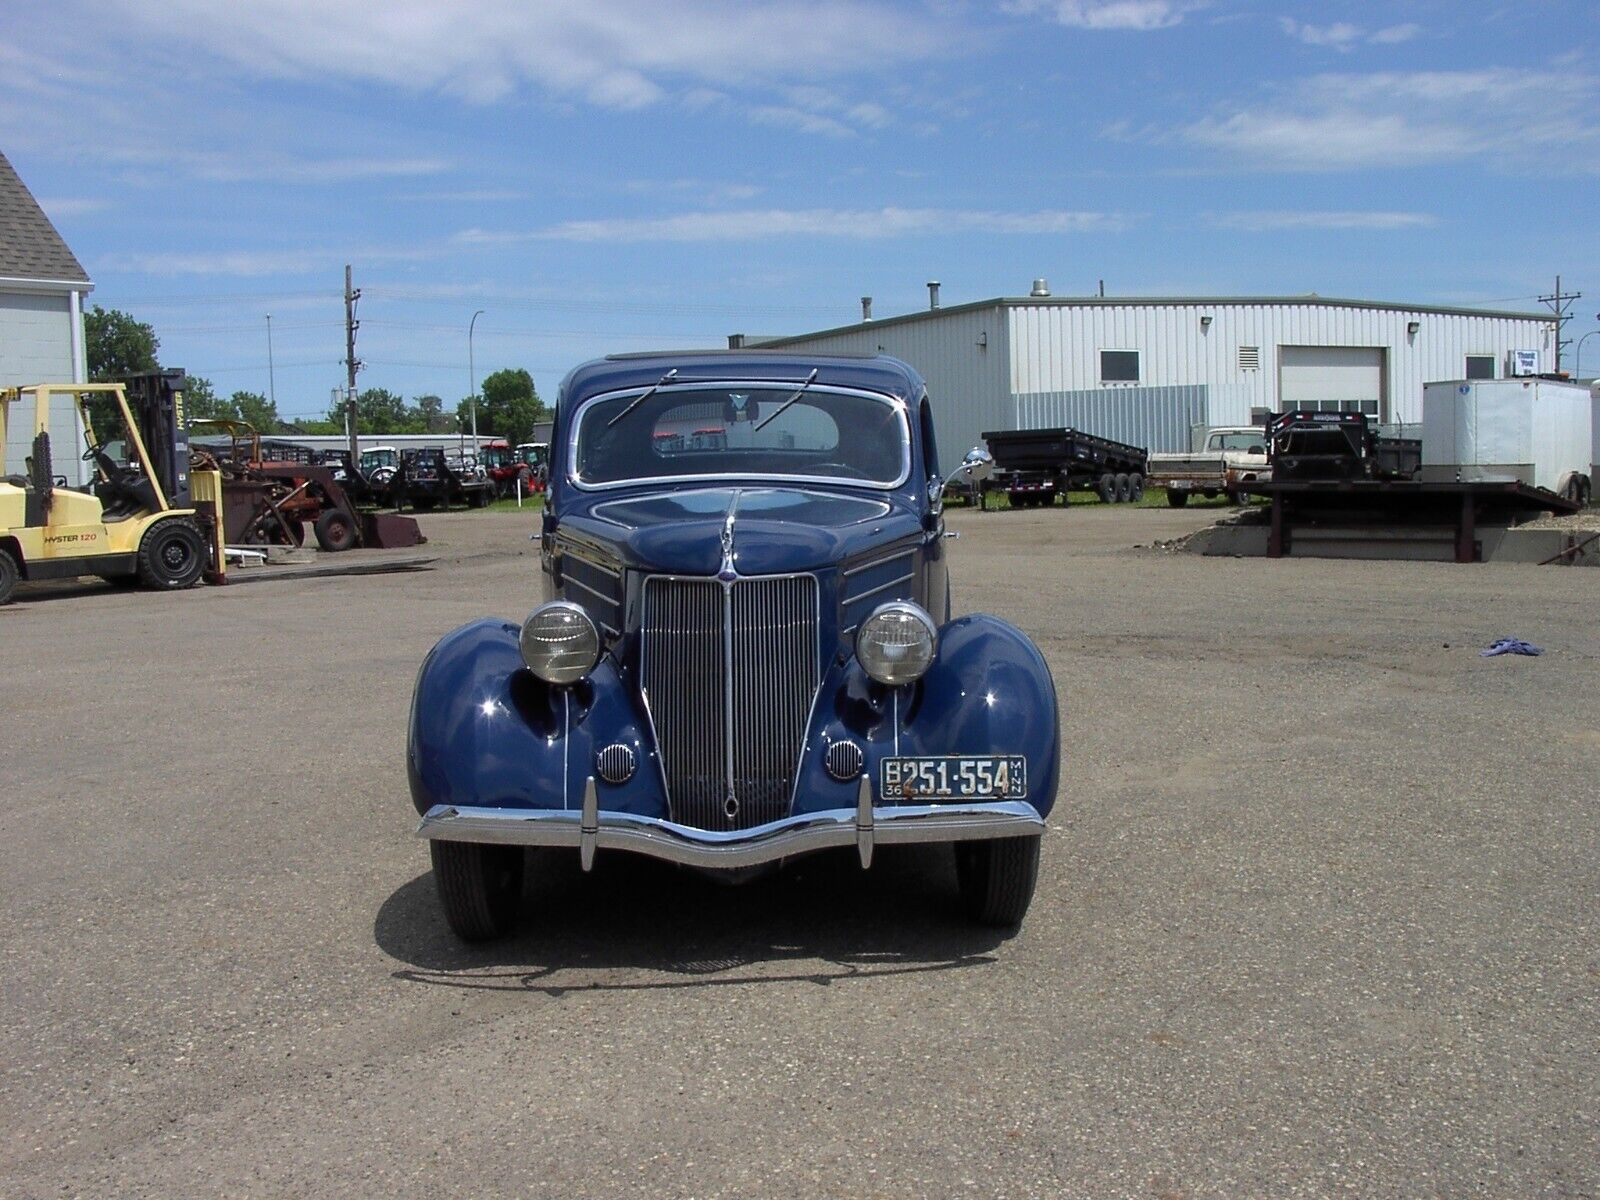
335, 531
997, 878
9, 575
172, 555
480, 887
1176, 499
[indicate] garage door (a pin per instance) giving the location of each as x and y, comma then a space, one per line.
1332, 379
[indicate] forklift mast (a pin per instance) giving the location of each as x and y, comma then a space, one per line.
155, 399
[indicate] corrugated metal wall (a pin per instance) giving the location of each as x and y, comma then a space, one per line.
963, 357
1157, 418
1055, 347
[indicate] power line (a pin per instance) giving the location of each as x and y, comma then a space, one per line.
1560, 306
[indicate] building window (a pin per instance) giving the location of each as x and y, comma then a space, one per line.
1249, 358
1480, 366
1119, 366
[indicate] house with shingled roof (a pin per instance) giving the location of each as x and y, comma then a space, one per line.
42, 290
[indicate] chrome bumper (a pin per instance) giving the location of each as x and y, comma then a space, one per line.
862, 827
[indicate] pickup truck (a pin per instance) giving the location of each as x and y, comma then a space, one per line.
1232, 457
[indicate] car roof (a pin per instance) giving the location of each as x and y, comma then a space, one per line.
873, 373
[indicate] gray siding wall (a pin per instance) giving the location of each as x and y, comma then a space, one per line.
968, 383
1158, 418
36, 347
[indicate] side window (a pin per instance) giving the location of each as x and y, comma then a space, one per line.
1119, 366
930, 451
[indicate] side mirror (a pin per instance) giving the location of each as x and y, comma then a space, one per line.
976, 466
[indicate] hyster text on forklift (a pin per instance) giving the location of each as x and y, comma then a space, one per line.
145, 517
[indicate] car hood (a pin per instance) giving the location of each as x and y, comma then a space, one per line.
763, 530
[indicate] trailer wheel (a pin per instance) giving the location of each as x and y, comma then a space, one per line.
335, 531
480, 887
1107, 488
997, 877
1136, 487
9, 574
1124, 489
172, 555
1176, 499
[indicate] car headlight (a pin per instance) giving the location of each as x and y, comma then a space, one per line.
559, 642
896, 643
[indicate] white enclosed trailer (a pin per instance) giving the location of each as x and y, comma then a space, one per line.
1538, 431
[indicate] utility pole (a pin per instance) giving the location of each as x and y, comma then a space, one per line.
352, 363
1560, 305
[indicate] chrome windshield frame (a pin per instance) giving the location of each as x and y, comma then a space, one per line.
900, 406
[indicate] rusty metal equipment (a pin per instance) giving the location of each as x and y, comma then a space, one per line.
269, 497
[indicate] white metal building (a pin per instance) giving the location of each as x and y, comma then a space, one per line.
42, 286
1152, 370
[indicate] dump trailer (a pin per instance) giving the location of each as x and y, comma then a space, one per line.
1033, 465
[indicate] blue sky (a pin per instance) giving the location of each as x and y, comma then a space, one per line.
620, 175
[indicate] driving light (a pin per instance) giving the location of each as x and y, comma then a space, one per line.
896, 643
559, 642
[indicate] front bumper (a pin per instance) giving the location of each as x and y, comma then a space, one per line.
863, 826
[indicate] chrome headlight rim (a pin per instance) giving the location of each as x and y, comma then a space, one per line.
875, 668
574, 670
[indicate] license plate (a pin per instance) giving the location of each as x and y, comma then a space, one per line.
951, 777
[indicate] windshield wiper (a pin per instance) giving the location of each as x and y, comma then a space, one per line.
798, 392
645, 395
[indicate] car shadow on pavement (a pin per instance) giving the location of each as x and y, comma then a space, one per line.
635, 924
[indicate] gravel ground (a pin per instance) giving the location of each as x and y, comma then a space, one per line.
1316, 916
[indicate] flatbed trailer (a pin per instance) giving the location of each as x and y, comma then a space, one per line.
1033, 465
1387, 510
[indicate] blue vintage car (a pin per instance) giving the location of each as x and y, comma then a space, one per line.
745, 651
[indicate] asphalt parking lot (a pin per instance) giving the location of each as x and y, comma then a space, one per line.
1316, 917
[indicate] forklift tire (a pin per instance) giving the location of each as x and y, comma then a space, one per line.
8, 577
172, 555
1108, 488
1176, 499
334, 531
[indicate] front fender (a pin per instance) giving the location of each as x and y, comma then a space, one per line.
989, 692
485, 731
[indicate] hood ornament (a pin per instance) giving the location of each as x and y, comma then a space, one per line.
727, 572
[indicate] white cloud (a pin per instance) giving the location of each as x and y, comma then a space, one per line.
619, 54
1139, 15
252, 263
1266, 222
756, 224
1343, 36
1396, 119
71, 206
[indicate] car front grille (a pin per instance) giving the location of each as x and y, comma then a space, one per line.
730, 672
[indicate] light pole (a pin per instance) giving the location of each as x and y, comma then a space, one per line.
272, 386
1577, 355
472, 380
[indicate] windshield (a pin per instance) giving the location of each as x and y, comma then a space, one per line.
1252, 443
750, 430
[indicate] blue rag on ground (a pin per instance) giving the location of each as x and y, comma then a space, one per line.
1510, 646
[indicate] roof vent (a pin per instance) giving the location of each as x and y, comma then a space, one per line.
933, 293
1041, 287
866, 308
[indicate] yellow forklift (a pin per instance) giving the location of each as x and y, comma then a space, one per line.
144, 518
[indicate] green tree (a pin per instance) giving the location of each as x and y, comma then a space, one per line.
117, 345
255, 409
200, 400
378, 410
430, 415
507, 408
